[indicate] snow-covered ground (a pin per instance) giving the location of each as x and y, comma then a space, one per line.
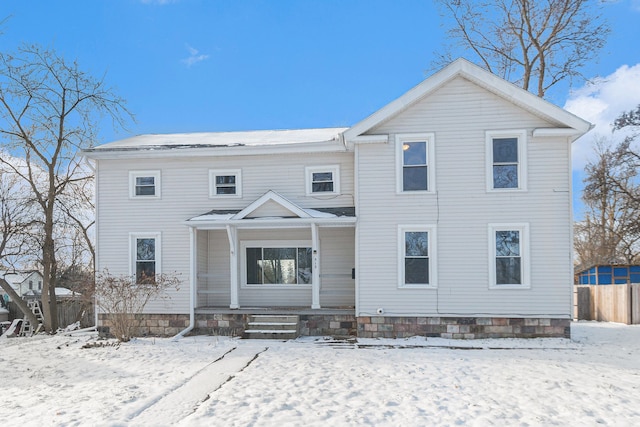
592, 379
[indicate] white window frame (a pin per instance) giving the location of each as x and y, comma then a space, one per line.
433, 257
133, 252
521, 135
525, 263
244, 244
429, 139
155, 174
213, 173
310, 170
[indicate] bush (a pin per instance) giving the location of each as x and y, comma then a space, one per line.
124, 299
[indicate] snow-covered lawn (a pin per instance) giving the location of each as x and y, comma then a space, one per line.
213, 381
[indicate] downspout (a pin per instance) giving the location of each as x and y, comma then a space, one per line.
192, 286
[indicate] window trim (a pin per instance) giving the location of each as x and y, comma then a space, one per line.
310, 170
244, 244
521, 135
133, 273
429, 138
141, 174
433, 255
213, 173
525, 264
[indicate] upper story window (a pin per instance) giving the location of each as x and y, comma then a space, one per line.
415, 169
144, 184
506, 160
225, 183
509, 255
417, 265
322, 180
145, 256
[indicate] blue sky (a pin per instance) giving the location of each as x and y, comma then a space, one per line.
198, 65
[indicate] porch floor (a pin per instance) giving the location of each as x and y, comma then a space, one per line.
277, 310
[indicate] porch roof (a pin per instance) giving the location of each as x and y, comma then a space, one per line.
289, 215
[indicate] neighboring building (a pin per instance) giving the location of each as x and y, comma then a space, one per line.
445, 213
26, 284
609, 274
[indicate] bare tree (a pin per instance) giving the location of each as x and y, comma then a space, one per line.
535, 44
609, 233
49, 109
15, 223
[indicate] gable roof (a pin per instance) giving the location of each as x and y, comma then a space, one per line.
489, 81
272, 196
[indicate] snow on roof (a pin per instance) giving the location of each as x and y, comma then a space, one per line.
223, 139
225, 215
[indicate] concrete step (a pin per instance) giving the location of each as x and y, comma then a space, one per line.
270, 326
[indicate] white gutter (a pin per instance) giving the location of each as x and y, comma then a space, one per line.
272, 222
192, 286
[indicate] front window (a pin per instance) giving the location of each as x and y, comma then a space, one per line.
416, 263
506, 160
225, 183
144, 184
414, 153
145, 256
322, 180
508, 258
273, 265
509, 265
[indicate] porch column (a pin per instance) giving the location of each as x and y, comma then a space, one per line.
232, 234
315, 268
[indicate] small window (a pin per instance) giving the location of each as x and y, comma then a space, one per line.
144, 184
509, 255
322, 180
506, 153
415, 163
31, 284
277, 263
225, 183
145, 256
417, 267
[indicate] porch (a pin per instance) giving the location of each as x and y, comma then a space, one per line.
273, 255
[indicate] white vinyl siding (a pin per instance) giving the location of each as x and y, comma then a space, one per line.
185, 194
459, 114
144, 184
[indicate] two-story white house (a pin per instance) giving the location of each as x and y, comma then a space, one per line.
445, 213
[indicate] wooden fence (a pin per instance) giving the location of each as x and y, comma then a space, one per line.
608, 303
69, 312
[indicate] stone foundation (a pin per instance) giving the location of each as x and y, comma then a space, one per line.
224, 324
462, 327
150, 324
328, 324
234, 324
